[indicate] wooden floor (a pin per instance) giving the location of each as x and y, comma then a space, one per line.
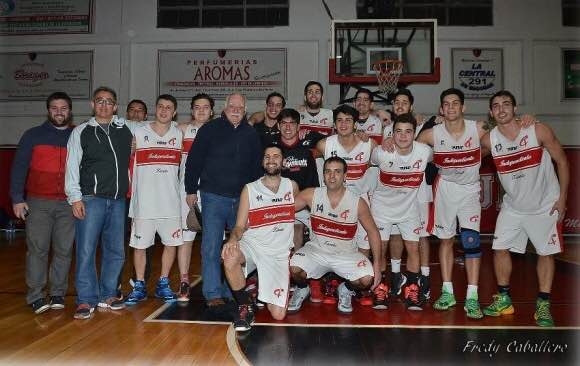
123, 338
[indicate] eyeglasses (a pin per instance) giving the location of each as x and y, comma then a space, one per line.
107, 102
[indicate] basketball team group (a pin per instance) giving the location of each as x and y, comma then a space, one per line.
294, 205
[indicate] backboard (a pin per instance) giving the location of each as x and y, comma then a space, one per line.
357, 44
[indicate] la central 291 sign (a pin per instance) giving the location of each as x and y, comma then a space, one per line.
477, 72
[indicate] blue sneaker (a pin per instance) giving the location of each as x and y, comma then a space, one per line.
138, 294
163, 291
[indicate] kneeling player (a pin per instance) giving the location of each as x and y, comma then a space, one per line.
335, 214
261, 240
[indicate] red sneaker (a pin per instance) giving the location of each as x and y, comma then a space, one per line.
330, 296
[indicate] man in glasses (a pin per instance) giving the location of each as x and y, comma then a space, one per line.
96, 185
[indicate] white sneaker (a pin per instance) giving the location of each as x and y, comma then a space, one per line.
298, 297
344, 299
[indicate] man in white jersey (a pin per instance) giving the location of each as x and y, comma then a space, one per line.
367, 123
261, 239
313, 117
534, 203
347, 145
394, 202
335, 215
158, 146
201, 112
457, 154
403, 103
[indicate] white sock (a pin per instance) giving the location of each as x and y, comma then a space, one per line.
471, 292
425, 271
395, 265
448, 287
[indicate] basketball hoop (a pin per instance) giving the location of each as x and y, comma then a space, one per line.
388, 73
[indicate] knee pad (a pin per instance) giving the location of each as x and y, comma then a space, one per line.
471, 243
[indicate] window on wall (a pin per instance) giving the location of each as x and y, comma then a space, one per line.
221, 13
571, 13
447, 12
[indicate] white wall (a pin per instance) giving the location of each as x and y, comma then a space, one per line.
125, 44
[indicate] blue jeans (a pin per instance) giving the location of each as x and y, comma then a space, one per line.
217, 213
104, 220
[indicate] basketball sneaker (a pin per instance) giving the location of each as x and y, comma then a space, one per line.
445, 301
244, 318
501, 305
298, 297
542, 315
344, 299
380, 297
330, 291
163, 291
425, 287
412, 297
472, 309
183, 295
398, 280
315, 291
138, 294
40, 306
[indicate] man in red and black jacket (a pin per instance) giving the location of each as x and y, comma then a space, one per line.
37, 192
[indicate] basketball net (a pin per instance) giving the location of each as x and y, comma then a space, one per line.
388, 73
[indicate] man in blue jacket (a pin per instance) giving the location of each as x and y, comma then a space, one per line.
226, 155
37, 192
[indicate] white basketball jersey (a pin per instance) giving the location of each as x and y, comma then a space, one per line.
155, 183
459, 159
399, 180
357, 160
270, 217
334, 229
322, 122
388, 131
525, 170
373, 127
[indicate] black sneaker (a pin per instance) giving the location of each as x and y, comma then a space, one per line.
244, 318
57, 302
398, 280
425, 287
40, 306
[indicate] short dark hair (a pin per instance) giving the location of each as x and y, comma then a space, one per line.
289, 112
276, 94
346, 109
405, 118
335, 159
105, 89
452, 91
405, 92
202, 96
57, 96
502, 93
137, 101
168, 97
313, 82
364, 91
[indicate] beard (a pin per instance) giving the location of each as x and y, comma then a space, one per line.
272, 172
314, 105
56, 123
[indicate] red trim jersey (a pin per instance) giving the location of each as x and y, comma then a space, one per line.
270, 217
373, 127
155, 183
322, 122
459, 159
188, 139
526, 172
357, 160
334, 229
400, 178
